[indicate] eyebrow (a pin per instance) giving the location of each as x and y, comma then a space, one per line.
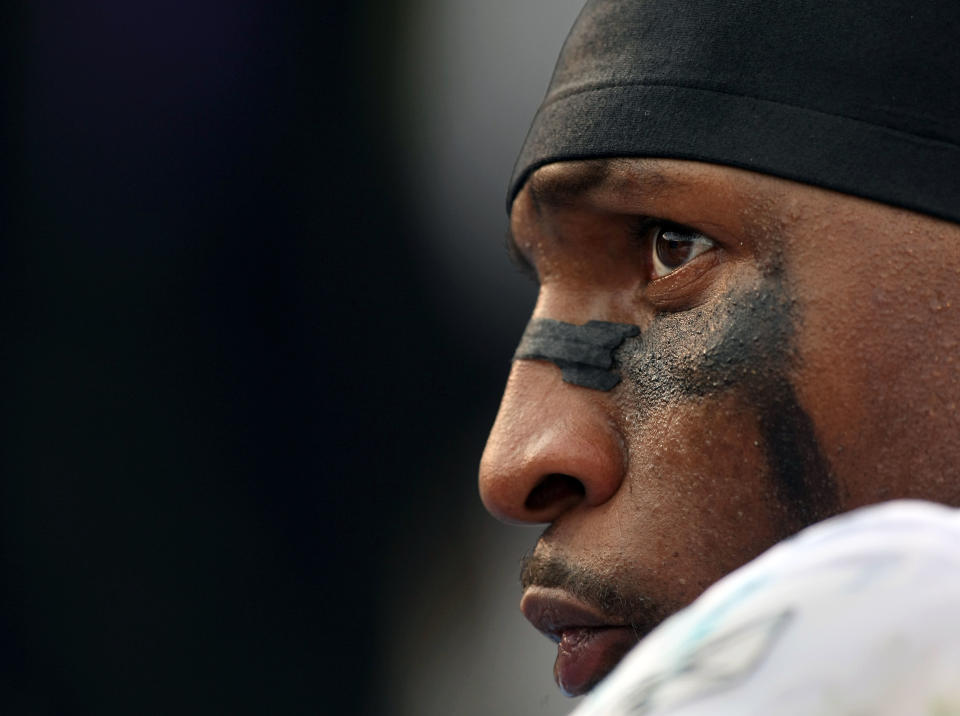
555, 190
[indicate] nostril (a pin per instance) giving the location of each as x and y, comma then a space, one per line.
553, 490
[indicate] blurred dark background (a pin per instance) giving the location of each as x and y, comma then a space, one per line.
256, 320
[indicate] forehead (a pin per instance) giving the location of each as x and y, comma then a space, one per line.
577, 197
611, 183
734, 200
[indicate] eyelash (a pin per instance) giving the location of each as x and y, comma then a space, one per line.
642, 228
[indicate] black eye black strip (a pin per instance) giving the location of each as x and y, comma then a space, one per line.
584, 353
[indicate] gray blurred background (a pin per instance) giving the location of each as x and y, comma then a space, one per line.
256, 317
470, 81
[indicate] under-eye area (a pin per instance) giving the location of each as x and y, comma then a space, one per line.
736, 339
742, 344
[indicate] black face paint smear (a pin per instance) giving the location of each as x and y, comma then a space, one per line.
742, 343
584, 353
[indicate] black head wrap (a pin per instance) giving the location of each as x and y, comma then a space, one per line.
859, 97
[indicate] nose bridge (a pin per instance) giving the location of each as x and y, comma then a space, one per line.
553, 445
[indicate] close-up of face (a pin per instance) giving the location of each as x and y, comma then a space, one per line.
679, 278
793, 357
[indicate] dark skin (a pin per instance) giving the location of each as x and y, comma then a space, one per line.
796, 360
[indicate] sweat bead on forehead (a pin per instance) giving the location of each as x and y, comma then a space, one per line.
860, 98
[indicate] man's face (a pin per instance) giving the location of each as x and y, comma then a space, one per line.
796, 358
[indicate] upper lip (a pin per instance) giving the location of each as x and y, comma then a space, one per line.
554, 611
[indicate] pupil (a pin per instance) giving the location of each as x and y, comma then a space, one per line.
673, 252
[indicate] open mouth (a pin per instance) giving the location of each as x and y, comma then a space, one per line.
589, 642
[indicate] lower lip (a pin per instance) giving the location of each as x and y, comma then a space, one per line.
585, 655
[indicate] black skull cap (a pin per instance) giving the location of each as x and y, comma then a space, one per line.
858, 97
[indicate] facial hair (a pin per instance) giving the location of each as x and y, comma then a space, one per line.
619, 602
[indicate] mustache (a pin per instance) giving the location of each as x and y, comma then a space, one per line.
551, 571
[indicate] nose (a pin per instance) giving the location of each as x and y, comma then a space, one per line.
553, 446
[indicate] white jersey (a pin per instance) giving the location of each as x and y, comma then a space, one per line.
856, 615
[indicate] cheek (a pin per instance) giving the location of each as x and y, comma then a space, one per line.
699, 500
877, 371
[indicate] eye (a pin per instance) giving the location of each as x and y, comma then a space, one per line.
672, 247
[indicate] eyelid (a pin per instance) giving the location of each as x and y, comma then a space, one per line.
642, 230
686, 287
641, 226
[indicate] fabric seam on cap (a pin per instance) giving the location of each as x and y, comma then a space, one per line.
598, 87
